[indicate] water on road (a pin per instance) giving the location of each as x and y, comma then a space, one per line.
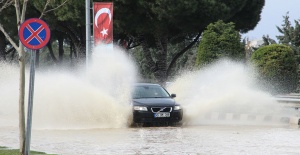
205, 139
88, 112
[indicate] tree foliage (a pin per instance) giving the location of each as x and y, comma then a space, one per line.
277, 68
183, 17
290, 35
67, 24
247, 16
185, 62
11, 28
219, 40
65, 19
267, 40
155, 24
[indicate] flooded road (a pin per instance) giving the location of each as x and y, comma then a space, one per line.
87, 113
204, 139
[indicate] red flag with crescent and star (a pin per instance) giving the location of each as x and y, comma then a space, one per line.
103, 23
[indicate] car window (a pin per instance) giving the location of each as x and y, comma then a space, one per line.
149, 92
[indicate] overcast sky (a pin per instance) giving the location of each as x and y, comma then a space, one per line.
272, 16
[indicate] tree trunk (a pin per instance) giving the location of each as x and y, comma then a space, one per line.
158, 68
21, 99
161, 45
74, 49
2, 47
49, 45
150, 62
71, 53
20, 19
60, 48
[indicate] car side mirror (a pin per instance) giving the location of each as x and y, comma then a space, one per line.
173, 95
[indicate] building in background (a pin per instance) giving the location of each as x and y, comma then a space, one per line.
251, 46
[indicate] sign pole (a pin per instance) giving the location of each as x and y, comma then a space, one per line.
30, 102
34, 34
88, 32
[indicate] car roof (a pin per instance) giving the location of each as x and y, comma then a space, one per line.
146, 84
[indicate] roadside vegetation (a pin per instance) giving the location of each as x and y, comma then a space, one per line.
279, 62
220, 40
7, 151
277, 68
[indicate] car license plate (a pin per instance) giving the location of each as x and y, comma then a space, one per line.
162, 114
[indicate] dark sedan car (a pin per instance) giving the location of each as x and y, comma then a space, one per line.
153, 104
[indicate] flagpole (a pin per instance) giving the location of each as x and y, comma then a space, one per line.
88, 32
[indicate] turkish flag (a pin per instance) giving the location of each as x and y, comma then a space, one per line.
103, 23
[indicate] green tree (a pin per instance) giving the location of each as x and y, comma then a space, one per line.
155, 24
219, 40
277, 68
67, 26
290, 35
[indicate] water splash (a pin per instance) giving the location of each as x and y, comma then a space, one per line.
9, 90
96, 98
99, 97
223, 87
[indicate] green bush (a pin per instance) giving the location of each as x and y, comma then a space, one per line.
219, 40
277, 68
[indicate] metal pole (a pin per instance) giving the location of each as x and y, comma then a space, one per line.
88, 31
30, 102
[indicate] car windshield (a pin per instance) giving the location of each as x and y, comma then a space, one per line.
151, 91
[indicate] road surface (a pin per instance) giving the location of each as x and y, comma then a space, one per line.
201, 139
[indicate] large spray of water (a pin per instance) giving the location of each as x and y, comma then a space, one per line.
9, 91
96, 97
223, 87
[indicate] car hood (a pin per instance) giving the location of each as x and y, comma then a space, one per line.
154, 102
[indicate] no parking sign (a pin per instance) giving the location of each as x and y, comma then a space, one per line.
34, 34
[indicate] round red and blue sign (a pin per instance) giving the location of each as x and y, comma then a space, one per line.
34, 33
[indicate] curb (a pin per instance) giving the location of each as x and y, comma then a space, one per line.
251, 117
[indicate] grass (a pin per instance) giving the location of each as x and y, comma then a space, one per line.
7, 151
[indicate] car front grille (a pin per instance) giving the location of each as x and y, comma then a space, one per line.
161, 109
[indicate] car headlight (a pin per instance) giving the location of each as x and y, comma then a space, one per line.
177, 107
140, 108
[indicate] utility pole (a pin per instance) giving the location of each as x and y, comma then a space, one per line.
88, 31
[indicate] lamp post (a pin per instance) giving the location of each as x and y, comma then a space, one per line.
88, 31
